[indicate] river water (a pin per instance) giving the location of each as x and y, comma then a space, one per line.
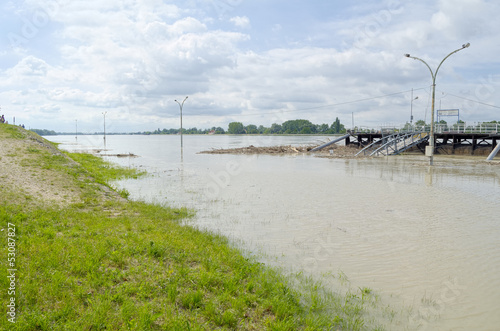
426, 240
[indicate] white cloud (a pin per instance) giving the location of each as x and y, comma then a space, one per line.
50, 108
241, 22
29, 66
133, 58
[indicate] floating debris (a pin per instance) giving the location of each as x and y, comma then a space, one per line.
333, 151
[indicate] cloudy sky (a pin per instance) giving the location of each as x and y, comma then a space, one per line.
252, 61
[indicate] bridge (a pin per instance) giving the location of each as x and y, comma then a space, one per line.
448, 139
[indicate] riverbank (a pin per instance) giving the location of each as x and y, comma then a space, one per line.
85, 257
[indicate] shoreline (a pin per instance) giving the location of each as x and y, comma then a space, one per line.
115, 263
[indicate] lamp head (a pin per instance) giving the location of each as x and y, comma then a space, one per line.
407, 55
465, 45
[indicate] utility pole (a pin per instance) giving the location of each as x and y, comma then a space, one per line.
411, 107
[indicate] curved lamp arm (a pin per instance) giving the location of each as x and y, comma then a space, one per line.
434, 74
182, 102
447, 56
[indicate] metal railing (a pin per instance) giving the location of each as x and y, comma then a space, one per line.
394, 143
368, 150
487, 128
401, 143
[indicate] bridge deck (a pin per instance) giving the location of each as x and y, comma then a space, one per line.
449, 140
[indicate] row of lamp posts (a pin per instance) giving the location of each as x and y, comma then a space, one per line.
104, 113
429, 150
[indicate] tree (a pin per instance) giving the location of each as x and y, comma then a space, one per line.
298, 126
306, 130
276, 129
219, 130
235, 128
337, 127
408, 127
251, 129
323, 128
44, 132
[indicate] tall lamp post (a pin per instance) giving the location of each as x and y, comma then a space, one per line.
430, 149
181, 105
104, 113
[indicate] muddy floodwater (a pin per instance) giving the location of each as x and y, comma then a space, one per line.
426, 240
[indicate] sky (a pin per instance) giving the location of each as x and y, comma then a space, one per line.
66, 63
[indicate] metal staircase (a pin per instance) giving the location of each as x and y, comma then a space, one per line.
394, 144
368, 150
401, 143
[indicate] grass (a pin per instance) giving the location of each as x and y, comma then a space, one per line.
103, 171
108, 263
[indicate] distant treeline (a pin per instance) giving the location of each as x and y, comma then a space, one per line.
214, 130
288, 127
43, 132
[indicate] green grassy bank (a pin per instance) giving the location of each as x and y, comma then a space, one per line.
86, 258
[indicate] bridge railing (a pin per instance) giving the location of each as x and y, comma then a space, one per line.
488, 128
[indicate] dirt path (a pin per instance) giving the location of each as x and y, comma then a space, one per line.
26, 169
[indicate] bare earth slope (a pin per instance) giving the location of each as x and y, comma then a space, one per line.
28, 169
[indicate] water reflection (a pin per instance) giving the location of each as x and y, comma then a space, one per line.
473, 176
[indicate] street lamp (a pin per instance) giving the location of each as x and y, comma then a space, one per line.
104, 113
181, 105
430, 149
